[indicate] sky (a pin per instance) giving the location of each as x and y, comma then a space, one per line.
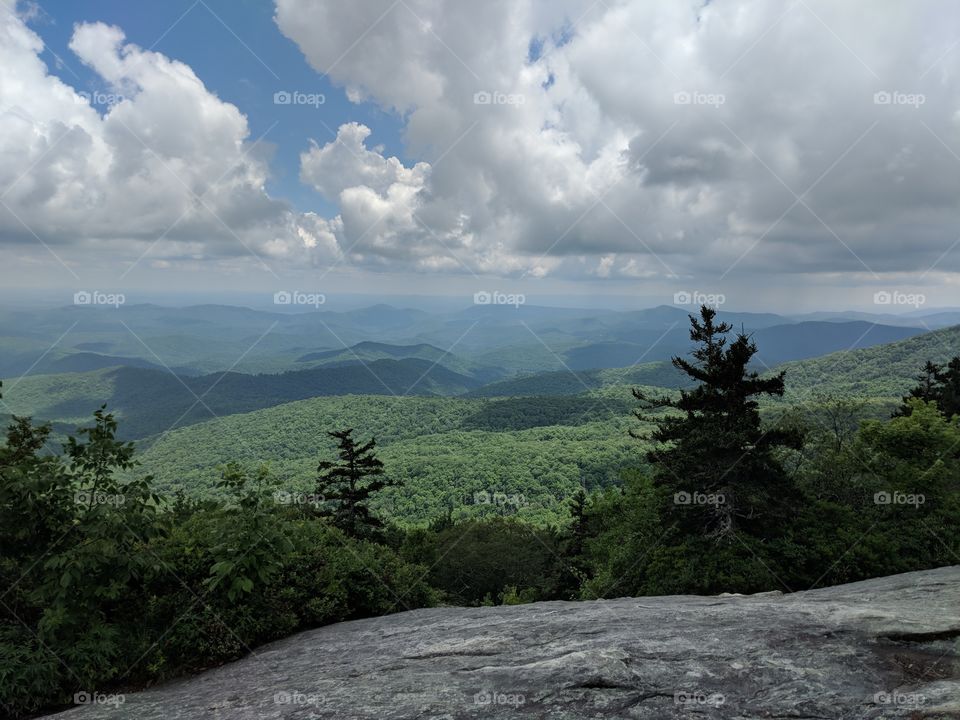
787, 156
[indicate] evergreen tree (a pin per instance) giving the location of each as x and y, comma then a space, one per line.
929, 388
949, 403
935, 384
347, 485
715, 467
573, 563
578, 529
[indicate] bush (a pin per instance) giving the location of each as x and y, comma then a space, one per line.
485, 559
122, 587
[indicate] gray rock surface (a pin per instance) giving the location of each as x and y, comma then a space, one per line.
884, 648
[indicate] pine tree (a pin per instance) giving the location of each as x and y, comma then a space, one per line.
950, 398
930, 387
347, 485
938, 385
578, 528
715, 466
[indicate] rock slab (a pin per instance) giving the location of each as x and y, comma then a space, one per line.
883, 648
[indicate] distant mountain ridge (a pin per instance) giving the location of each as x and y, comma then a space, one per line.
886, 370
201, 339
149, 401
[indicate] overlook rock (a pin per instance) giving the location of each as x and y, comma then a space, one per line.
883, 648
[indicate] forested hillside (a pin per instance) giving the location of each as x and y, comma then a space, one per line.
883, 371
152, 401
444, 450
535, 438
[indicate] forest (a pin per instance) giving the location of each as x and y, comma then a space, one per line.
718, 483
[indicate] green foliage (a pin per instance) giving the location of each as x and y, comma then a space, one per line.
498, 558
251, 550
348, 485
152, 401
106, 583
526, 413
74, 540
881, 371
715, 466
564, 382
854, 503
881, 500
938, 384
128, 578
425, 446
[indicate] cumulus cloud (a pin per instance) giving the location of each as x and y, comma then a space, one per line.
565, 138
659, 139
152, 162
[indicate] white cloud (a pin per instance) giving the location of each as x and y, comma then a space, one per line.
347, 163
639, 141
665, 138
152, 157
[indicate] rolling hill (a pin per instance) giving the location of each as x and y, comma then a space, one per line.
151, 401
777, 343
883, 371
478, 340
370, 351
534, 438
446, 451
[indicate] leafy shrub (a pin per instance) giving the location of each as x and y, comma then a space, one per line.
109, 584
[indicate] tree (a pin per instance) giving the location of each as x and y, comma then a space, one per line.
715, 466
929, 388
347, 486
949, 403
841, 417
938, 385
573, 545
578, 528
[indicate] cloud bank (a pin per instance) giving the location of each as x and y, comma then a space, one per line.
644, 139
567, 139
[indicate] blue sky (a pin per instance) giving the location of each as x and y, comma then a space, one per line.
236, 49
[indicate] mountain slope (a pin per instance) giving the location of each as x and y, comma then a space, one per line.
152, 401
777, 343
564, 382
882, 371
369, 351
783, 343
443, 450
